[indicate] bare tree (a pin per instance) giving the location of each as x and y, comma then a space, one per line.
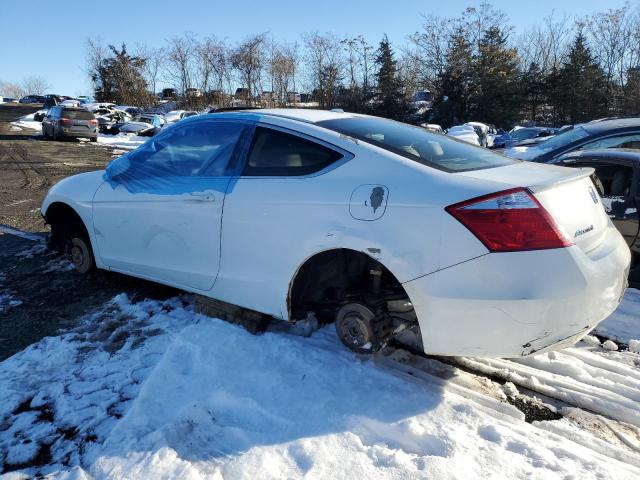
248, 60
36, 85
96, 52
213, 70
180, 59
283, 66
155, 62
424, 60
9, 89
324, 66
614, 40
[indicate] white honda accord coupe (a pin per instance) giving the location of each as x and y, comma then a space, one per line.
372, 224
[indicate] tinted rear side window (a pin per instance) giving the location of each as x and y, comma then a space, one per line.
418, 144
278, 153
78, 114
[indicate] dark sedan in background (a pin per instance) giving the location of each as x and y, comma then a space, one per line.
616, 176
598, 134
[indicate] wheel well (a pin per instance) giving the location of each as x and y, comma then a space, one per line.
65, 224
332, 278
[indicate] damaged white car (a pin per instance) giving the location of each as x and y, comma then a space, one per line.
376, 225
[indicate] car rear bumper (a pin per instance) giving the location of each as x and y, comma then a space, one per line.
519, 303
80, 132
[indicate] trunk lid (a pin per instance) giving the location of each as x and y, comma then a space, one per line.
568, 194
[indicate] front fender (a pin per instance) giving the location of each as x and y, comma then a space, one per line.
74, 191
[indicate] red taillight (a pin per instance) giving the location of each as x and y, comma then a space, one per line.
509, 221
93, 121
66, 121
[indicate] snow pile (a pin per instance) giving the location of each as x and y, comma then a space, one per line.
465, 133
624, 324
28, 122
125, 141
152, 390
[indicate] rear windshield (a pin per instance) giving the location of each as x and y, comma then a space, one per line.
78, 114
416, 143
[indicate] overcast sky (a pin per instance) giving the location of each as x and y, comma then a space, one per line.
48, 38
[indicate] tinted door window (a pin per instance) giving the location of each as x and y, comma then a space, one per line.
630, 140
275, 153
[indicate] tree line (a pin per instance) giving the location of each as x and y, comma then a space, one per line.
477, 67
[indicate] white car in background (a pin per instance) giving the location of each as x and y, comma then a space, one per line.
70, 103
173, 116
466, 133
376, 225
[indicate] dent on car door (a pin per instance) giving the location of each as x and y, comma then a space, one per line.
159, 214
617, 186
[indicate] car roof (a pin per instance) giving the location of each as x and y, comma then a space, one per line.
605, 153
300, 114
604, 124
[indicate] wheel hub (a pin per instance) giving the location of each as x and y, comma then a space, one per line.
354, 331
77, 256
354, 327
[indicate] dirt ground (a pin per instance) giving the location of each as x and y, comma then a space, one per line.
30, 165
52, 296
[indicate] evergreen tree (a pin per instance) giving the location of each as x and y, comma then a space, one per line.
120, 78
390, 94
534, 90
456, 83
581, 90
497, 98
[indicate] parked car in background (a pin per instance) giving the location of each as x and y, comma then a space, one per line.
605, 133
432, 127
51, 101
133, 111
146, 125
40, 114
92, 107
32, 99
85, 100
527, 136
465, 133
72, 102
173, 116
507, 258
69, 122
110, 120
482, 130
617, 178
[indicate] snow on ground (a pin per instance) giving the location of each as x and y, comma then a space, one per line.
122, 141
28, 122
624, 325
152, 390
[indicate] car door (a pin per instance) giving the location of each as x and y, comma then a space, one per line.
280, 192
159, 213
616, 182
